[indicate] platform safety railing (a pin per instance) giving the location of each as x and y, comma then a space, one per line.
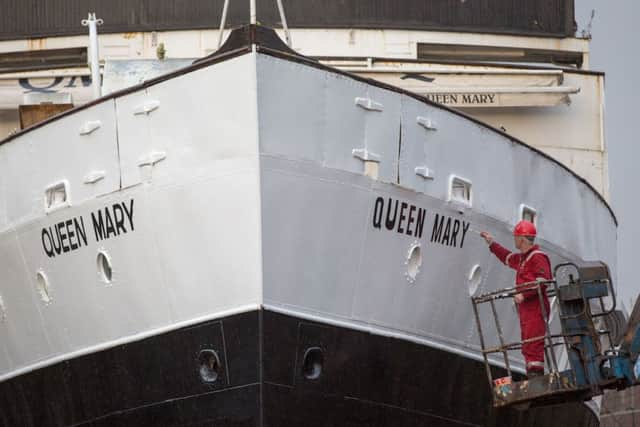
551, 341
580, 301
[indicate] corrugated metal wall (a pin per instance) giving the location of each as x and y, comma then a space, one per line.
38, 18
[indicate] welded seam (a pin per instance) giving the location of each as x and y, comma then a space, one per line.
399, 151
386, 405
115, 112
413, 411
155, 404
224, 350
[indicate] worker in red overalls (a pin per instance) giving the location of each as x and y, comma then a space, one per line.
531, 265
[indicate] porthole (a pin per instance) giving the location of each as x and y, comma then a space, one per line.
474, 279
209, 366
105, 271
312, 363
42, 284
3, 311
414, 262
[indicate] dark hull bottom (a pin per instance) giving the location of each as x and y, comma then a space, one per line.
366, 380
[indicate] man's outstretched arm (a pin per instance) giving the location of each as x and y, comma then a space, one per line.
507, 257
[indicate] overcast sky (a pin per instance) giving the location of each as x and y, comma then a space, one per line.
615, 49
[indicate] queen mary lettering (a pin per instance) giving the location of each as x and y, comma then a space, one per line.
70, 235
64, 236
401, 217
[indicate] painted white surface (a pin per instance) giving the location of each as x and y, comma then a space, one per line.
572, 134
530, 104
193, 251
323, 257
558, 112
69, 156
259, 200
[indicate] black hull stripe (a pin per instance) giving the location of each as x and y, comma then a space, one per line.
366, 380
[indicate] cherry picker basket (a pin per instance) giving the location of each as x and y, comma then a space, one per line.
580, 299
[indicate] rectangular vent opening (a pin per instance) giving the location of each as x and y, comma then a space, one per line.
56, 196
460, 190
528, 213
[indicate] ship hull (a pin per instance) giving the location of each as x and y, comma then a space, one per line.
365, 380
226, 219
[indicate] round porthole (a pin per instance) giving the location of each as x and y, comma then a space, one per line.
3, 311
414, 262
475, 278
104, 267
209, 366
42, 284
312, 363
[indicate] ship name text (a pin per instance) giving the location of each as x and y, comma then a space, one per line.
446, 231
71, 234
407, 219
401, 217
462, 98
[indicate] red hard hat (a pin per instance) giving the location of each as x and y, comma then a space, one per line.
525, 228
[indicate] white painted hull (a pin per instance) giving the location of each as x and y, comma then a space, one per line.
247, 194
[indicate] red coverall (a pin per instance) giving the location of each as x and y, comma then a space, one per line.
530, 266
